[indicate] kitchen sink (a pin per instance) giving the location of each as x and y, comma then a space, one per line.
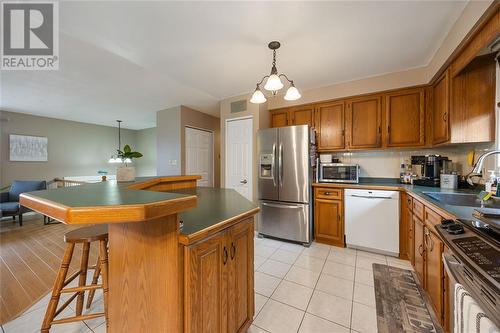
462, 199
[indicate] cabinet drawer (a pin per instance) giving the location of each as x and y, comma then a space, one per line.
431, 217
328, 193
418, 209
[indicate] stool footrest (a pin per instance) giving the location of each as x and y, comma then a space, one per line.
65, 304
78, 318
82, 288
72, 277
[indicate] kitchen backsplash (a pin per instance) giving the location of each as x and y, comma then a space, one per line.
387, 163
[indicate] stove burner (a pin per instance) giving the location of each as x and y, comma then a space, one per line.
482, 254
452, 227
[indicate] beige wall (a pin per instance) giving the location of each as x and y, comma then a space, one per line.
260, 118
74, 149
170, 133
146, 144
472, 12
168, 142
199, 120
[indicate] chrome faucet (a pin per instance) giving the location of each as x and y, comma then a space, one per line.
477, 170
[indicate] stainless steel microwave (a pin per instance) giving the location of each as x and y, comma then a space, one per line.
338, 173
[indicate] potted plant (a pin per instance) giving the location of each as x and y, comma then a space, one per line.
126, 173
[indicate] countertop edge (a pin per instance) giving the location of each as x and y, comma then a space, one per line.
188, 239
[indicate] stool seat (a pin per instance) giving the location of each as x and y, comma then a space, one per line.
87, 234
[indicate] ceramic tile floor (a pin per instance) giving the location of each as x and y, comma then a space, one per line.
320, 289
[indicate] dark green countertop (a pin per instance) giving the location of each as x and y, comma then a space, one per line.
215, 205
462, 212
108, 193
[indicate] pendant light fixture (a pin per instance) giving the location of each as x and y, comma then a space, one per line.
115, 158
274, 83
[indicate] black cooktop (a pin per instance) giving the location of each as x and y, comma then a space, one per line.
482, 254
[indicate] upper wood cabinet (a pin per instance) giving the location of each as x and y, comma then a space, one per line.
364, 121
330, 126
405, 118
302, 116
441, 109
473, 102
279, 118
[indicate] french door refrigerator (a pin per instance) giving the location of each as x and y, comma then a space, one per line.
284, 183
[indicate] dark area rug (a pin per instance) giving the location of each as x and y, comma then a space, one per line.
401, 303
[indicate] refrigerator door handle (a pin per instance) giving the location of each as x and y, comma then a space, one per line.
273, 165
280, 206
280, 164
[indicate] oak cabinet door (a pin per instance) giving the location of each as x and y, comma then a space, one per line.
434, 272
279, 118
405, 118
441, 109
364, 122
419, 249
329, 221
302, 116
410, 237
205, 286
330, 126
240, 282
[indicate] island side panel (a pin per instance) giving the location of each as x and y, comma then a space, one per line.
144, 276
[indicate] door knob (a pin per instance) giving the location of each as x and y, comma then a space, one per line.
244, 181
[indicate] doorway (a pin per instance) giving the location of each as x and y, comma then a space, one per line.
199, 146
239, 155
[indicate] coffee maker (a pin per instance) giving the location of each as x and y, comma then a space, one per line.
429, 169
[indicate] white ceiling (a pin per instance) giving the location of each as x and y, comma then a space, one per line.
127, 60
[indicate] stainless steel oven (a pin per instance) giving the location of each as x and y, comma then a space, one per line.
338, 173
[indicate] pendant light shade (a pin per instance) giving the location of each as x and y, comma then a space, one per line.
258, 97
292, 93
273, 83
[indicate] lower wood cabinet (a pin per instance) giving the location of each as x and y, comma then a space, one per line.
426, 255
218, 281
329, 216
419, 248
434, 272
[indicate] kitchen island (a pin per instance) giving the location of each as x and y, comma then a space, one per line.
180, 257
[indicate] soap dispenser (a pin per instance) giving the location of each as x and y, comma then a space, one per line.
491, 182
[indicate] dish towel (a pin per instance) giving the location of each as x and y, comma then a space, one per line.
469, 317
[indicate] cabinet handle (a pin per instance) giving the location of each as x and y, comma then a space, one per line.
327, 193
445, 116
421, 250
224, 256
233, 250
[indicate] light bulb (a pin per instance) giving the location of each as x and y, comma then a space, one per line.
292, 94
258, 97
273, 83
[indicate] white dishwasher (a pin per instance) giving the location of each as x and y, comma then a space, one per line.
372, 220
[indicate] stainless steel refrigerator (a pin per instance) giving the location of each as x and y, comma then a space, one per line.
284, 183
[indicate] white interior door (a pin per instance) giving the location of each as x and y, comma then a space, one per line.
239, 152
200, 155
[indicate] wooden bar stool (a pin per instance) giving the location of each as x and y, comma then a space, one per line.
85, 236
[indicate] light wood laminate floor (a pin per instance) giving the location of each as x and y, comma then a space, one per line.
29, 260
